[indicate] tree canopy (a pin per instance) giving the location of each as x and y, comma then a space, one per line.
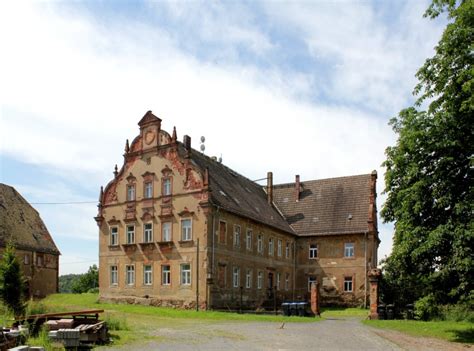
87, 281
429, 172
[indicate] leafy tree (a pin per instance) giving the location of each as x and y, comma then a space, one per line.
429, 177
12, 283
66, 281
87, 281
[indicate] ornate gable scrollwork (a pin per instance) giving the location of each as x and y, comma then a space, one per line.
186, 213
167, 171
131, 178
148, 175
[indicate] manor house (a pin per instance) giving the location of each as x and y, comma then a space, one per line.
178, 228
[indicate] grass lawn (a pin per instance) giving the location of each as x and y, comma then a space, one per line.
138, 322
447, 330
342, 312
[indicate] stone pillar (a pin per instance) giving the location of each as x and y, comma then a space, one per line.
315, 299
374, 276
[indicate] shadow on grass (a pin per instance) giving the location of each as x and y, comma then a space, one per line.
464, 336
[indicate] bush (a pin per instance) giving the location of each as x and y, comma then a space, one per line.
93, 291
35, 307
459, 313
426, 308
114, 323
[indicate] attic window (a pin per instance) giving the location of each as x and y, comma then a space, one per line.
285, 200
237, 200
223, 193
258, 210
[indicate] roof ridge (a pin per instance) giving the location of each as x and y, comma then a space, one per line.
283, 185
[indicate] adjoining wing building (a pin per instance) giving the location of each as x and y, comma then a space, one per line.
178, 228
37, 253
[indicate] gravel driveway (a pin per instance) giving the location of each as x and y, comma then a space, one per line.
330, 334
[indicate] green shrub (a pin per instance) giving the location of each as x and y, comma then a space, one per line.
458, 313
115, 323
35, 307
93, 291
427, 309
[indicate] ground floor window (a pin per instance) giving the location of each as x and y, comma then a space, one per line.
287, 281
248, 279
236, 277
278, 279
165, 275
147, 275
186, 274
259, 280
130, 275
113, 275
348, 284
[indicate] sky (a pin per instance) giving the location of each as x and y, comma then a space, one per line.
293, 87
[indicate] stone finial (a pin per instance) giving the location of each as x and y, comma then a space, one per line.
127, 147
174, 137
115, 171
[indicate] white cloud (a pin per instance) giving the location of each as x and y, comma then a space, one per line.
74, 90
373, 59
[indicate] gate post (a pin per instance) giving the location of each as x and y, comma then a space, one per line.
315, 299
374, 276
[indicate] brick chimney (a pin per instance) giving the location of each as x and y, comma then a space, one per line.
297, 188
270, 187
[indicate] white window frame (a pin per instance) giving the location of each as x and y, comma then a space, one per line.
260, 243
166, 186
248, 239
131, 193
313, 251
185, 274
311, 279
147, 274
166, 275
26, 259
148, 233
113, 275
130, 275
186, 231
148, 190
270, 246
130, 234
287, 250
349, 250
248, 279
237, 232
259, 280
113, 235
166, 231
348, 284
279, 248
236, 276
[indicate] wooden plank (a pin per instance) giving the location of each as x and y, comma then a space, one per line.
60, 314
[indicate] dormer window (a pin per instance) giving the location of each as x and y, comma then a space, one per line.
166, 186
131, 192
